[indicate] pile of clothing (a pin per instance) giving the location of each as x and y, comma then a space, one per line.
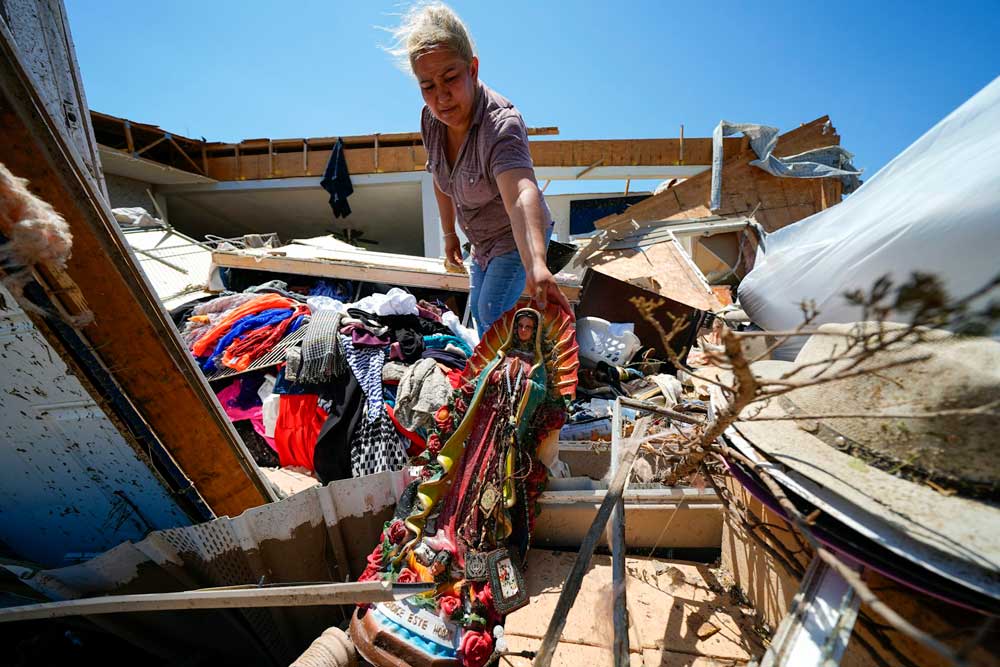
234, 330
353, 393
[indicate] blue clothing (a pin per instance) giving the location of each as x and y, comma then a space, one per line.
243, 326
441, 341
339, 290
496, 289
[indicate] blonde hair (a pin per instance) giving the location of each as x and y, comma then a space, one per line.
425, 27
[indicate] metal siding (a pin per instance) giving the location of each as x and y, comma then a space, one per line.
71, 484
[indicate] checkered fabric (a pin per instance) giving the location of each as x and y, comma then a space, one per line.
377, 446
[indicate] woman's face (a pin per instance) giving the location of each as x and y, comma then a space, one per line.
448, 85
525, 329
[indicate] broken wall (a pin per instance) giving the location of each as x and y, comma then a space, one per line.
778, 202
128, 192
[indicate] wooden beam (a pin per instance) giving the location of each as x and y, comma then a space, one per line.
129, 142
230, 597
239, 165
131, 336
589, 168
372, 269
154, 143
352, 141
186, 156
619, 612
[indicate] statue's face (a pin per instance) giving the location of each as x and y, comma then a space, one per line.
525, 329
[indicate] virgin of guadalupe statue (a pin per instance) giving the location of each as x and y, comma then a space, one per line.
466, 523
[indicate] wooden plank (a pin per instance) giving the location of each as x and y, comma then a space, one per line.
412, 156
186, 156
574, 579
129, 142
230, 597
372, 270
350, 141
619, 614
131, 334
151, 144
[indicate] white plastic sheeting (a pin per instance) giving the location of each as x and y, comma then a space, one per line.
935, 209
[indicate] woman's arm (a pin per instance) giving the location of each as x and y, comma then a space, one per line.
523, 201
446, 207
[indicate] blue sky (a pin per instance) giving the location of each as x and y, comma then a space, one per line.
885, 72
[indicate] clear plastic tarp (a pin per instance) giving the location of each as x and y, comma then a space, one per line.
935, 209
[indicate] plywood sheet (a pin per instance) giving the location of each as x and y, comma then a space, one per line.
663, 268
358, 264
673, 605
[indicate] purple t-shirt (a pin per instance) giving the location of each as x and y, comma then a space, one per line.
497, 141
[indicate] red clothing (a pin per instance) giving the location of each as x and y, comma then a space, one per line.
299, 421
417, 444
454, 377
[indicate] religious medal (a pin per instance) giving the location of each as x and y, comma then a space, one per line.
475, 566
506, 581
489, 498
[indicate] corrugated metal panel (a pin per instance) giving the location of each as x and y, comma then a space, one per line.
71, 484
319, 535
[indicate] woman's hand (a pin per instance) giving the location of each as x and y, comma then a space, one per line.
452, 249
543, 288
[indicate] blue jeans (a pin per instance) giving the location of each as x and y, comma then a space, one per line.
496, 289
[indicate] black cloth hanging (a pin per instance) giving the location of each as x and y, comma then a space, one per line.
337, 181
332, 456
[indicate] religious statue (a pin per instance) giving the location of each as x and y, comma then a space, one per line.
466, 523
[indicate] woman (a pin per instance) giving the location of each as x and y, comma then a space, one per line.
477, 151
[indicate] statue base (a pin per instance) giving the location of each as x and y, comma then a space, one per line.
397, 634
